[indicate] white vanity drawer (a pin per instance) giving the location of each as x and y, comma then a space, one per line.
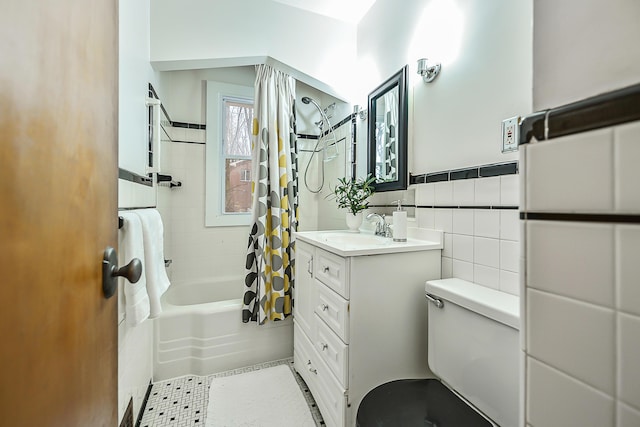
333, 352
333, 271
334, 310
327, 392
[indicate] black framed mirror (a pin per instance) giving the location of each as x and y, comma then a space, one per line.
387, 136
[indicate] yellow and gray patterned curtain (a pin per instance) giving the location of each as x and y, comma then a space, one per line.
270, 255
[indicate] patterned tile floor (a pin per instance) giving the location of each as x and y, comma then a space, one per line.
182, 402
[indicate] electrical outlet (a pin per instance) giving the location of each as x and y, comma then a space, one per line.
510, 134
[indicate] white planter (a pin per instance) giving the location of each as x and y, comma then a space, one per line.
354, 221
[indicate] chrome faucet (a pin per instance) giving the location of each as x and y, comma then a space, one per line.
382, 228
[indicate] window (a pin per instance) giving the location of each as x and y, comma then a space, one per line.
236, 156
228, 154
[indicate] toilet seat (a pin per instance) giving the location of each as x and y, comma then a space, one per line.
416, 403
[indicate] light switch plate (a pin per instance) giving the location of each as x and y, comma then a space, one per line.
510, 134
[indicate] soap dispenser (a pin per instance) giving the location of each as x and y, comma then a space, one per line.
399, 223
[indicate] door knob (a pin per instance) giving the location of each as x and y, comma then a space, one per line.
110, 271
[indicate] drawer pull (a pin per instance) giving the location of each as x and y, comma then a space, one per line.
312, 370
323, 346
324, 307
326, 269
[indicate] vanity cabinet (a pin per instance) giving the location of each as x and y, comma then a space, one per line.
359, 321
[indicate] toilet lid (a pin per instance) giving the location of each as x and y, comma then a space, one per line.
419, 403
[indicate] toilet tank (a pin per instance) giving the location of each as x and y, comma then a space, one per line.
474, 345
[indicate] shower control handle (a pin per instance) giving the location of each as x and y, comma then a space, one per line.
312, 370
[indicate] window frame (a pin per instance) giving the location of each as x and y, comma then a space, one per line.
215, 157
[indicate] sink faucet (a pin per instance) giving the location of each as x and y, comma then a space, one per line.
382, 228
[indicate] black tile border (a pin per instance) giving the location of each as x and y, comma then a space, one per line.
464, 174
483, 171
307, 136
608, 109
187, 125
489, 207
134, 177
581, 217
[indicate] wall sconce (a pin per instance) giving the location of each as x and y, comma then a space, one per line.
427, 71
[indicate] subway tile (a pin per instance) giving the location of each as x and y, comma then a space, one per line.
510, 282
571, 259
487, 223
572, 173
426, 217
510, 256
486, 276
447, 250
444, 193
425, 195
488, 191
486, 252
447, 268
554, 399
463, 270
510, 190
522, 162
627, 416
443, 219
462, 247
576, 337
628, 268
628, 359
626, 160
463, 192
510, 225
462, 222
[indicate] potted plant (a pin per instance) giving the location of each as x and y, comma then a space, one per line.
353, 194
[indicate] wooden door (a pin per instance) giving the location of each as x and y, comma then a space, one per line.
58, 212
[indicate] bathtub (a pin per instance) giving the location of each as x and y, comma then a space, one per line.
200, 331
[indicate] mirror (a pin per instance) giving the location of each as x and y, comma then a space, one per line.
387, 136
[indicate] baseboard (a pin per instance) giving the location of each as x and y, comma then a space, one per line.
143, 406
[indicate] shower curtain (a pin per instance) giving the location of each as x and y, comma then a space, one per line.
270, 255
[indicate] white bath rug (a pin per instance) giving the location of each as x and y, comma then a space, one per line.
264, 398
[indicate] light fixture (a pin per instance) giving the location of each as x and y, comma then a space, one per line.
427, 71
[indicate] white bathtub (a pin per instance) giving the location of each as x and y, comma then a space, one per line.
200, 331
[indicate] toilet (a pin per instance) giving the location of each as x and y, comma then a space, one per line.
473, 349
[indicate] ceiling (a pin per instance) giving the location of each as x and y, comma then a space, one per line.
344, 10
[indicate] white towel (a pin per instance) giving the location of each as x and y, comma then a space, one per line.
156, 275
136, 299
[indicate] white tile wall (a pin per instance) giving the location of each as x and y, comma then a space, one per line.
464, 192
480, 245
571, 259
488, 191
573, 336
628, 268
576, 176
444, 193
198, 252
582, 324
626, 155
555, 399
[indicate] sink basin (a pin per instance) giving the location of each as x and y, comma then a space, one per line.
356, 239
348, 243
